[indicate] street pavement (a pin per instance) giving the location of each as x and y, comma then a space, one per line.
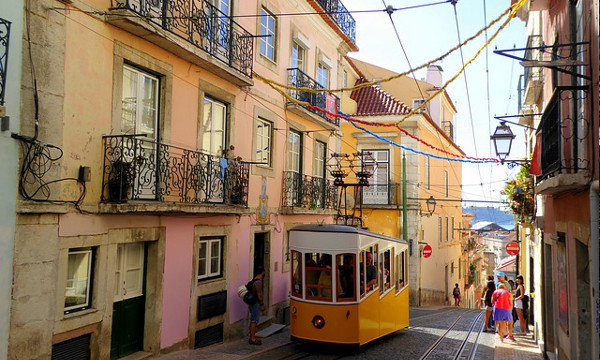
524, 348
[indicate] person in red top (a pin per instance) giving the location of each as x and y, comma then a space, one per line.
502, 311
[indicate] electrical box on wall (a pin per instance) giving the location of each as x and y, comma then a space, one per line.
85, 174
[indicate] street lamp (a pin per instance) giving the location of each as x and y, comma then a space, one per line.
430, 205
503, 137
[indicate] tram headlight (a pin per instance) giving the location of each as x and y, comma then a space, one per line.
318, 321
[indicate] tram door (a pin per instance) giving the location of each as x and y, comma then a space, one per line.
261, 257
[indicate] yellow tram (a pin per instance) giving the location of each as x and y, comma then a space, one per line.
349, 286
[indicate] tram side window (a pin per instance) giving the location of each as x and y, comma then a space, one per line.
402, 271
362, 275
370, 268
384, 271
346, 277
318, 276
296, 274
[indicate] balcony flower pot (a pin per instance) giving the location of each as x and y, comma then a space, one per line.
119, 181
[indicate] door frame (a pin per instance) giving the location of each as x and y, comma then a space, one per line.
267, 231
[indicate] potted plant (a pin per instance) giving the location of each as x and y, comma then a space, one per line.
119, 181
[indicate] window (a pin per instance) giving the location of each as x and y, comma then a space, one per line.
385, 274
446, 183
320, 161
264, 131
447, 232
323, 75
129, 271
427, 173
401, 279
318, 276
368, 270
377, 162
298, 57
440, 229
267, 32
297, 274
294, 151
79, 280
139, 102
452, 228
210, 258
419, 102
213, 127
346, 277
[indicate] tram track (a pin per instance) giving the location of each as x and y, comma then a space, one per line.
433, 351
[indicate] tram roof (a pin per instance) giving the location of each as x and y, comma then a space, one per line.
343, 229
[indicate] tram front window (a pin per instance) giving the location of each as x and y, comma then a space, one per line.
296, 274
318, 276
345, 264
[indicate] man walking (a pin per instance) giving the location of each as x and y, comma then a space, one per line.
259, 306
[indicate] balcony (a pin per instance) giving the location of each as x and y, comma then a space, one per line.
322, 100
186, 26
385, 194
308, 192
4, 40
340, 16
139, 169
564, 154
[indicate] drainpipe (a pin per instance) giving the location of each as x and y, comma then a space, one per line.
595, 236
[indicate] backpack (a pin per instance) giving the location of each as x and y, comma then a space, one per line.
456, 292
250, 297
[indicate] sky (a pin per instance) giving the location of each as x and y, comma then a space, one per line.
428, 32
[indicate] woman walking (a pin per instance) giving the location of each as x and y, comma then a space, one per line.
503, 311
519, 294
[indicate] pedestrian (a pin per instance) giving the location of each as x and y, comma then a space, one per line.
501, 301
456, 294
487, 300
502, 279
519, 295
259, 306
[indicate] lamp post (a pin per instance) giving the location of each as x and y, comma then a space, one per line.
430, 205
503, 138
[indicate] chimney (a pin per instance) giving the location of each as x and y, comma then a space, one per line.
434, 75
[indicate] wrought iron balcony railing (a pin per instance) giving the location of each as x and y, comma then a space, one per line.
136, 168
565, 134
381, 194
201, 24
304, 191
4, 40
323, 100
340, 15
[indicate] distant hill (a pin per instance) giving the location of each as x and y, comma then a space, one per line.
489, 213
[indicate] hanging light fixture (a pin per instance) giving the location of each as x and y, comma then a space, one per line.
503, 137
431, 205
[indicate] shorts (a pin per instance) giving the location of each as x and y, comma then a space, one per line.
489, 308
255, 312
518, 304
502, 315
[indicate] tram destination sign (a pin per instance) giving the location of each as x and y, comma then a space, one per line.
513, 248
427, 251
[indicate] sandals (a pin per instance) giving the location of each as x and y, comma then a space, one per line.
255, 342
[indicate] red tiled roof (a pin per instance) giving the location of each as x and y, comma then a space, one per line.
374, 101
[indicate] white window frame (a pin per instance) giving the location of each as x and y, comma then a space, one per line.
323, 74
319, 165
440, 230
87, 279
294, 152
264, 142
208, 271
210, 128
427, 173
446, 192
268, 26
418, 102
125, 286
299, 58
